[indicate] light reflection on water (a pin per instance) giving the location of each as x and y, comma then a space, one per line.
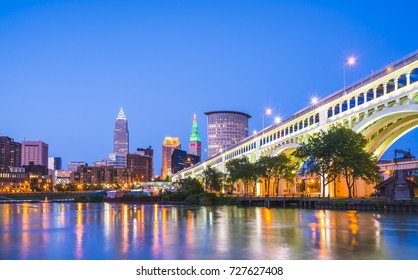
128, 231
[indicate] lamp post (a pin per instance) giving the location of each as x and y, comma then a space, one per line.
268, 112
350, 61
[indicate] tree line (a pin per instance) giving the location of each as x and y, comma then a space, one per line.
338, 153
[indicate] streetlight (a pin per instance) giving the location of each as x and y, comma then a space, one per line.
314, 100
268, 112
277, 119
350, 62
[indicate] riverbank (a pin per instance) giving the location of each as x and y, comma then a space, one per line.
303, 202
41, 196
367, 204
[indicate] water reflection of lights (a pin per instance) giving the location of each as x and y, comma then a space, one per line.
25, 231
155, 242
377, 228
79, 232
323, 227
125, 231
353, 226
190, 228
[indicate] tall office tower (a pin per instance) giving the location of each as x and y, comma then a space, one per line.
195, 146
169, 144
121, 135
120, 142
225, 128
10, 154
54, 163
36, 152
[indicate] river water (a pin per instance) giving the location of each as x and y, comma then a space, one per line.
125, 231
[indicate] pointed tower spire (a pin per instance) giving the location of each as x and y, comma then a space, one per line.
194, 143
121, 115
195, 132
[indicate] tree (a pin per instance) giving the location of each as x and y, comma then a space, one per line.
266, 170
236, 170
320, 153
285, 169
190, 186
339, 152
213, 179
352, 160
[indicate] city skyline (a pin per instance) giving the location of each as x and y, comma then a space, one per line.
58, 79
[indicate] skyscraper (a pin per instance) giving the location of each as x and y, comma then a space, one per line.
120, 142
225, 128
121, 135
10, 154
195, 146
169, 144
36, 152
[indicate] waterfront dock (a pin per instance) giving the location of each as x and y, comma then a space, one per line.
308, 202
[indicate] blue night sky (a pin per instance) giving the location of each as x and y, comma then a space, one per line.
66, 67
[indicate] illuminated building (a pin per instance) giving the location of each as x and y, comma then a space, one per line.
120, 142
180, 160
141, 164
36, 152
10, 154
169, 144
92, 175
195, 145
225, 128
121, 134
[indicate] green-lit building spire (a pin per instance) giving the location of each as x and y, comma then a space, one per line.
194, 143
195, 132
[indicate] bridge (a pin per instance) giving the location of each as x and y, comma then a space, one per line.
383, 107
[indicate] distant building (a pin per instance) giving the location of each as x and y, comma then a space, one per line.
91, 175
36, 152
100, 163
10, 154
62, 177
120, 142
54, 163
145, 152
24, 182
141, 165
37, 169
180, 160
116, 160
225, 128
195, 145
169, 145
73, 165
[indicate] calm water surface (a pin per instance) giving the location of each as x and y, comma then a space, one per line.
126, 231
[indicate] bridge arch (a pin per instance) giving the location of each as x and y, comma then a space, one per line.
402, 81
287, 149
385, 127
